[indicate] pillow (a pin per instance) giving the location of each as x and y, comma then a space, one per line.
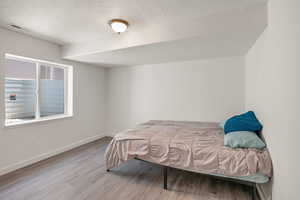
243, 122
243, 139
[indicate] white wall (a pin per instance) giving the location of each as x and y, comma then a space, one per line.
206, 90
272, 90
26, 143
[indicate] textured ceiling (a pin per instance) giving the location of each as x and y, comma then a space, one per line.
233, 37
81, 27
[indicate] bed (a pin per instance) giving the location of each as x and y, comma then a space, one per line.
192, 146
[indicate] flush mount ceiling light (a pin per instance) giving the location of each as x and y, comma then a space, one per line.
118, 25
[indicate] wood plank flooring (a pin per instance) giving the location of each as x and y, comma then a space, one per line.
81, 175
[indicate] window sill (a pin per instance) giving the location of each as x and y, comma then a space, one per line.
38, 120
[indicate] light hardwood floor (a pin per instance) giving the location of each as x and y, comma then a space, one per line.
81, 175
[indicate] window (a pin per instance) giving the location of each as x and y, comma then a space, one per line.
36, 90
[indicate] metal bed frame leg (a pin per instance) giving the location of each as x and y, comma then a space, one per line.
254, 194
165, 176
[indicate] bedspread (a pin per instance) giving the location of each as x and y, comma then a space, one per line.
192, 146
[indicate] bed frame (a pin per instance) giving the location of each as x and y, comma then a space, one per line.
252, 185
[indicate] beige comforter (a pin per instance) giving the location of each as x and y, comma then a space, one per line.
193, 146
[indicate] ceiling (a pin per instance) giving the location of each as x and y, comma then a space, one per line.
160, 30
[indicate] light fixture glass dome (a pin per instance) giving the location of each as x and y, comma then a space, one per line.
118, 25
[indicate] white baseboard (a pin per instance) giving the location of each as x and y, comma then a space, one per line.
41, 157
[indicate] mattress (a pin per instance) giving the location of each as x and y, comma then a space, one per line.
191, 146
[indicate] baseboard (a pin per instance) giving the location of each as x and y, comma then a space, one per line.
41, 157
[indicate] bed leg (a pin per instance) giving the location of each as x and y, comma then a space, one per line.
165, 176
254, 194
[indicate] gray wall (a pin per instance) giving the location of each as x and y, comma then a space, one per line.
24, 144
272, 90
199, 90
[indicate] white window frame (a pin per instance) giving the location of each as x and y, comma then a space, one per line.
68, 89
